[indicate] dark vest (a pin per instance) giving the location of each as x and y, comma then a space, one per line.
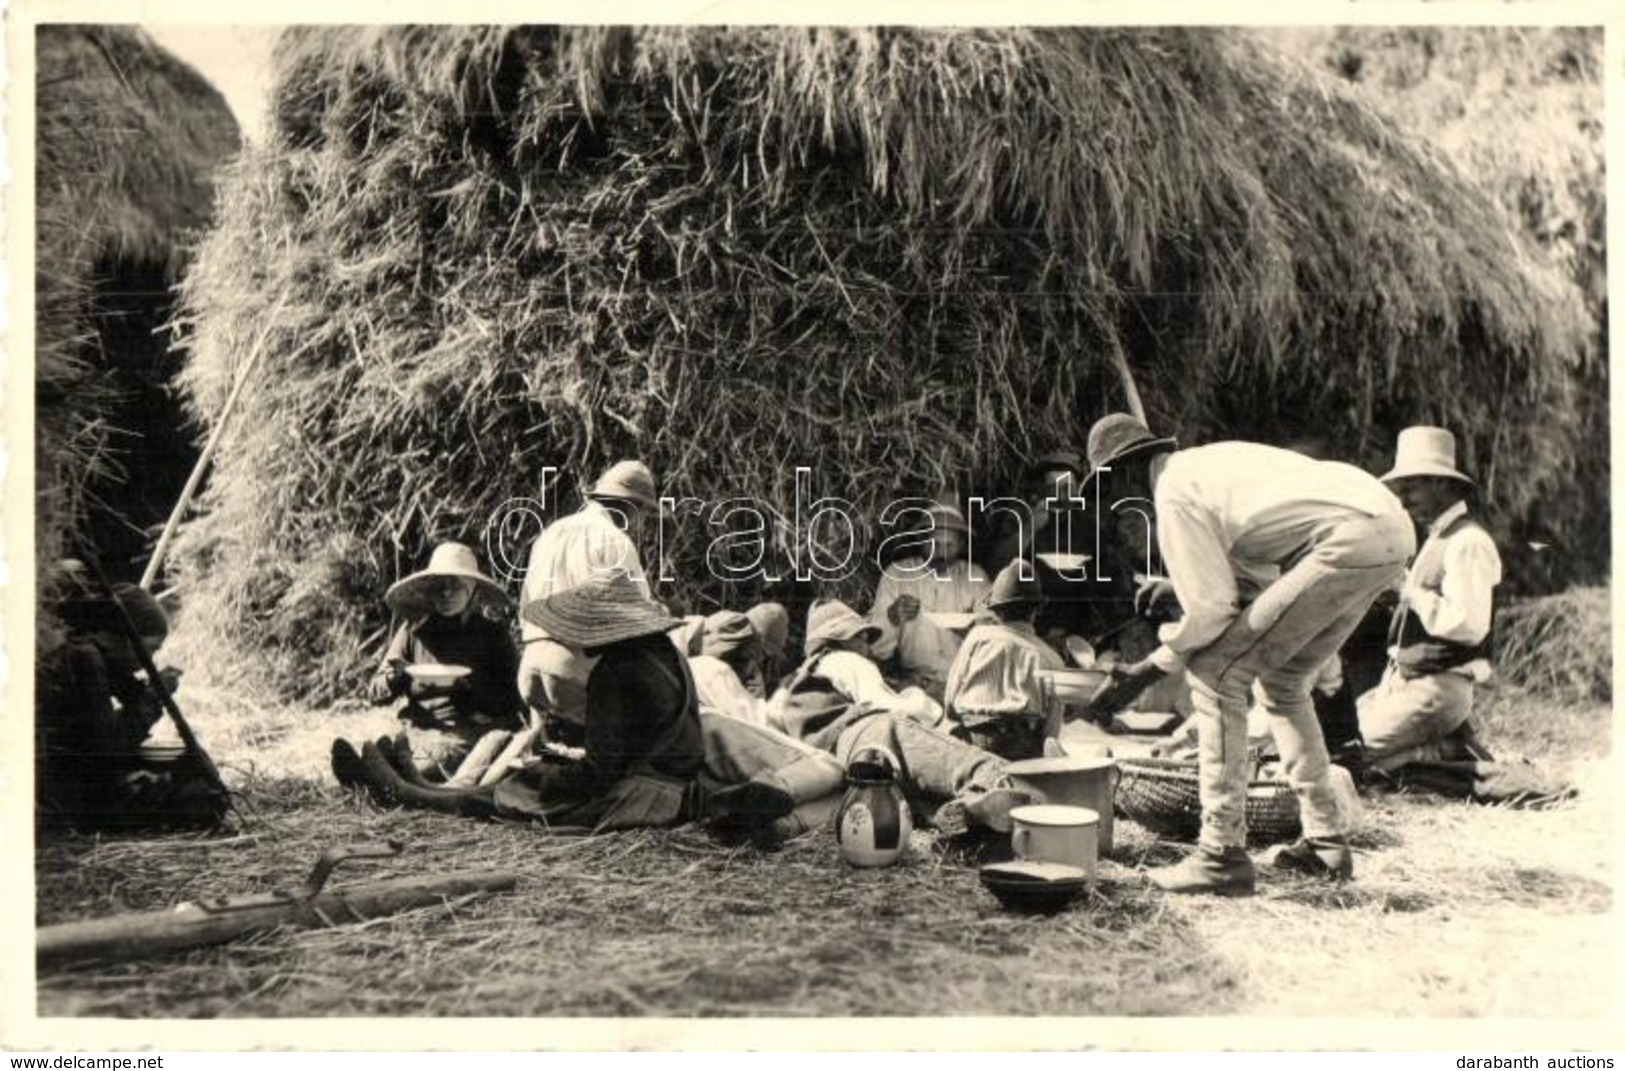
1419, 654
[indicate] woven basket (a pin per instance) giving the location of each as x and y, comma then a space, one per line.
1164, 796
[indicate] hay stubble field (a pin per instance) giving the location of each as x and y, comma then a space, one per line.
1458, 911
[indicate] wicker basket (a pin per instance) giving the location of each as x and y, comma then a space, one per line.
1163, 795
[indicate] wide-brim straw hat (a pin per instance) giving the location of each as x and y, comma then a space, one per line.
628, 481
1426, 451
1010, 587
599, 613
410, 594
836, 622
1118, 436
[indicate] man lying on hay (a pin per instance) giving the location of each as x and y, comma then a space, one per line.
1338, 538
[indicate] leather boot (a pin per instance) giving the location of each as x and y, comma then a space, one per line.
398, 753
387, 785
1226, 872
1321, 857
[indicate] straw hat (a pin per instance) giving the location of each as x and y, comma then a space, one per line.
448, 560
1118, 436
599, 613
727, 631
1009, 587
949, 518
629, 481
772, 624
1067, 459
1426, 451
834, 622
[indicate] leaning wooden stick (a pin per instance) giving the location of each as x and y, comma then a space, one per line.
209, 922
155, 564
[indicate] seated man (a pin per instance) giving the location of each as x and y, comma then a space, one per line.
598, 539
1440, 637
944, 582
441, 622
647, 759
95, 709
838, 702
994, 696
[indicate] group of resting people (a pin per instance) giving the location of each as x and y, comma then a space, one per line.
625, 715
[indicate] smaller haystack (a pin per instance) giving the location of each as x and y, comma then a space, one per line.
128, 141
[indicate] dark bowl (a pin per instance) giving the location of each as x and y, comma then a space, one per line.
1034, 888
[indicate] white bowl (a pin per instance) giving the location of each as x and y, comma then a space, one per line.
1076, 685
430, 673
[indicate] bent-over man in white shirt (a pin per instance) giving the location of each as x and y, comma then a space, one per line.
1227, 514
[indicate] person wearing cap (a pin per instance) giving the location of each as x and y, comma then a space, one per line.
595, 542
1439, 639
727, 669
1318, 541
95, 707
994, 690
443, 617
913, 587
838, 702
644, 760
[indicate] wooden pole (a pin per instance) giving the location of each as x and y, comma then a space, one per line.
137, 936
150, 576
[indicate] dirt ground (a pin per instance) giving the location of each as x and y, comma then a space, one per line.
1457, 910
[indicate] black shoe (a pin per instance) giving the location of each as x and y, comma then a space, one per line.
751, 805
397, 751
348, 768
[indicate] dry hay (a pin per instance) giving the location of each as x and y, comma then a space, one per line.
1458, 909
1559, 646
905, 257
128, 138
639, 923
1519, 110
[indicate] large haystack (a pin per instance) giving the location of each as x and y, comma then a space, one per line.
128, 142
1520, 110
904, 258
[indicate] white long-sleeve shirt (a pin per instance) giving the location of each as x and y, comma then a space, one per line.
920, 645
1235, 510
1451, 583
574, 550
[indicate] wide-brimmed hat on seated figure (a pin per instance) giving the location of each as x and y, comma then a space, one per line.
1009, 587
835, 622
627, 481
599, 613
1116, 437
1425, 451
411, 595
